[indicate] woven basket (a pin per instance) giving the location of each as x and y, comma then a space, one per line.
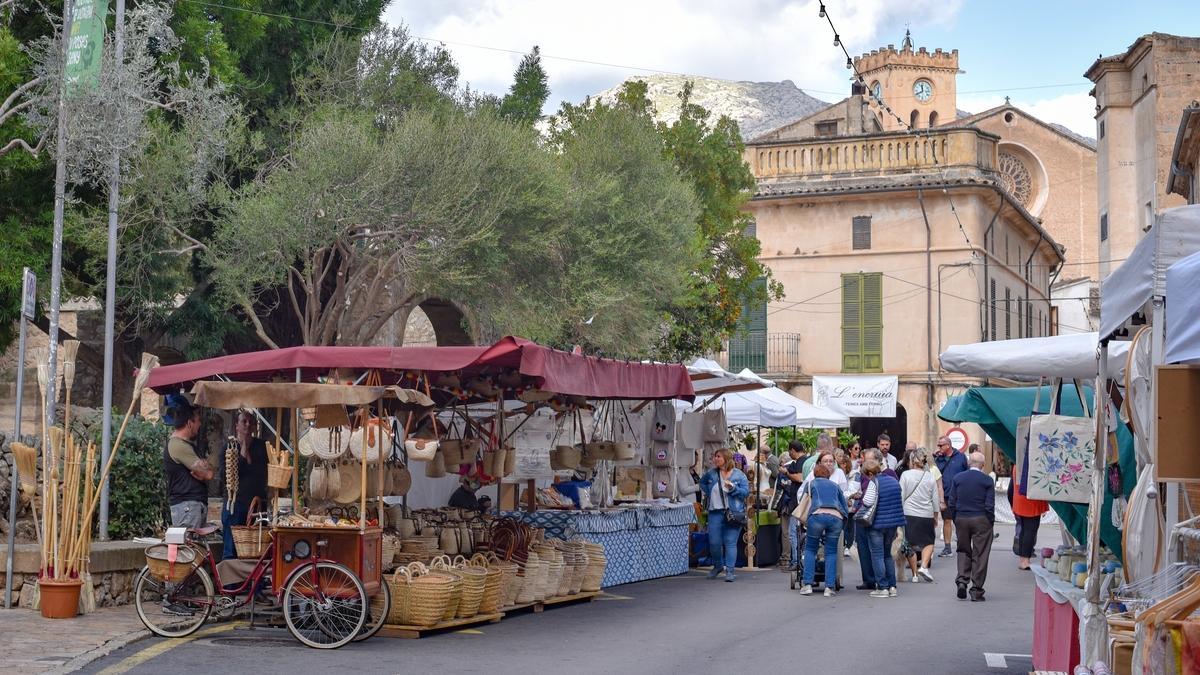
440, 565
250, 540
161, 569
510, 582
418, 600
565, 457
279, 476
474, 581
389, 546
530, 579
492, 586
594, 574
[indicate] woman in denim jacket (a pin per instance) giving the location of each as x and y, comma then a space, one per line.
826, 515
725, 488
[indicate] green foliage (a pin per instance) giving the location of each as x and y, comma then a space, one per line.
846, 439
529, 91
137, 494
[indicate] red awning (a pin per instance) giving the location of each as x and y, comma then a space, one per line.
557, 371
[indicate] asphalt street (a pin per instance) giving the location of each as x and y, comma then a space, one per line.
685, 624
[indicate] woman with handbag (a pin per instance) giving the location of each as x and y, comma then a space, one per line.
822, 510
882, 511
921, 492
725, 488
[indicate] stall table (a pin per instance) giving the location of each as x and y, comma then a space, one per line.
640, 542
1057, 606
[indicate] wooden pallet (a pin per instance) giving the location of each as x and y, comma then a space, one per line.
414, 632
541, 605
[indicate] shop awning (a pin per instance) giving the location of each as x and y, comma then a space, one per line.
1183, 311
553, 370
232, 395
1027, 359
997, 409
1175, 235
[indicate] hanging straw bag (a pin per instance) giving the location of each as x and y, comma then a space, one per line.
453, 447
436, 466
251, 540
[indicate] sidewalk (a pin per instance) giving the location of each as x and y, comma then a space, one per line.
31, 644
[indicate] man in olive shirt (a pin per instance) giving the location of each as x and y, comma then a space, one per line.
186, 472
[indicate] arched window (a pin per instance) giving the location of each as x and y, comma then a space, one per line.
933, 119
913, 120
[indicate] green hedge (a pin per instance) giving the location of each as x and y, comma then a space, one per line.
137, 493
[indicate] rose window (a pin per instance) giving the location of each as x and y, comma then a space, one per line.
1015, 178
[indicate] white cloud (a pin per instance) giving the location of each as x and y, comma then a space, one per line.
758, 40
1075, 111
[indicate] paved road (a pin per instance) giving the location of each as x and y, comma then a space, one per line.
684, 624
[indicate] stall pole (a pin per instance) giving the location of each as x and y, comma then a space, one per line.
296, 455
27, 304
379, 469
1156, 358
1096, 508
362, 474
500, 479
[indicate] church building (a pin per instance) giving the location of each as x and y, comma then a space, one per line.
899, 225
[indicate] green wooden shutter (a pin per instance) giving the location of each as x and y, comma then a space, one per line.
852, 323
748, 348
872, 348
862, 323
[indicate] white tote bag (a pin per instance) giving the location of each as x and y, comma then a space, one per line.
1062, 453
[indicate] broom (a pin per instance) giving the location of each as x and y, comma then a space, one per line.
70, 350
149, 363
52, 511
40, 357
27, 459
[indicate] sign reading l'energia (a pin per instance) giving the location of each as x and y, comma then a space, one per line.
857, 395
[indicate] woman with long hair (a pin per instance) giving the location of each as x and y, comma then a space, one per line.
826, 513
725, 489
921, 493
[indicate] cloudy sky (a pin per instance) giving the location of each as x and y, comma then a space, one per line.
1034, 51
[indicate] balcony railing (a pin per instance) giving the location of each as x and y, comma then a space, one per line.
769, 354
875, 154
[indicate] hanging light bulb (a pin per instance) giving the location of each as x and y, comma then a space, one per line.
837, 40
849, 63
822, 13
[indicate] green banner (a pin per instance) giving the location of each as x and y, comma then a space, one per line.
86, 47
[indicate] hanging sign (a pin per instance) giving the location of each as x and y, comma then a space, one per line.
86, 45
29, 294
532, 441
857, 395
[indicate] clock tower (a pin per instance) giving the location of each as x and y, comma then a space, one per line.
917, 85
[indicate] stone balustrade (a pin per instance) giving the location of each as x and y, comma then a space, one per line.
875, 154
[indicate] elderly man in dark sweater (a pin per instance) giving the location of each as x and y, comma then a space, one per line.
972, 505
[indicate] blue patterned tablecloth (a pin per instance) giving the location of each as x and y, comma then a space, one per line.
640, 543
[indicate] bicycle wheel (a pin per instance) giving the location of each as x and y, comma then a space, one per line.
173, 609
324, 605
377, 611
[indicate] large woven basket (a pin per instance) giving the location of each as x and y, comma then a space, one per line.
510, 582
531, 579
163, 570
594, 574
439, 566
492, 586
474, 582
250, 540
418, 600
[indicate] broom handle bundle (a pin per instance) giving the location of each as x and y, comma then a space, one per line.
85, 535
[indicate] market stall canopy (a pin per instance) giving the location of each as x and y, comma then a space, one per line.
1027, 359
708, 377
997, 409
232, 395
1175, 235
808, 415
549, 369
744, 409
1183, 311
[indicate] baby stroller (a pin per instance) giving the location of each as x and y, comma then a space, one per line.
796, 578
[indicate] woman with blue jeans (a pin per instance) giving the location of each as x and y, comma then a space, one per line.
882, 499
826, 514
726, 488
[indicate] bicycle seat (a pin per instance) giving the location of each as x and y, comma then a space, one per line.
203, 531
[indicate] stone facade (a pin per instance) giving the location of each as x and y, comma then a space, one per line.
893, 76
1139, 97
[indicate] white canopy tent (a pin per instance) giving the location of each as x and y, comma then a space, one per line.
1183, 328
1029, 359
808, 415
1143, 275
708, 378
769, 408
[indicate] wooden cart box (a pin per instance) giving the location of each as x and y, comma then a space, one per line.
361, 551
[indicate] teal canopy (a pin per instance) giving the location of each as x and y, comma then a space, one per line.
997, 409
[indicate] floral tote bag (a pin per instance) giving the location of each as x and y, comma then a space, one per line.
1061, 455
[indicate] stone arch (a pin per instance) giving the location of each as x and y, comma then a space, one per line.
1023, 176
914, 119
451, 324
933, 118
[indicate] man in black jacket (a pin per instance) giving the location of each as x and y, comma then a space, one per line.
972, 505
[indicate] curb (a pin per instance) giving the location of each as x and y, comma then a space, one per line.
96, 653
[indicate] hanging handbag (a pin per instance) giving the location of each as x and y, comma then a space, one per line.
663, 430
866, 517
1062, 453
731, 517
801, 511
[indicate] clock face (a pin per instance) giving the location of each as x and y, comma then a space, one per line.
922, 90
877, 91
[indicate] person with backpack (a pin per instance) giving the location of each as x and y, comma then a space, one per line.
827, 511
881, 513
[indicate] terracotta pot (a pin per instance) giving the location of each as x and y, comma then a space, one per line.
60, 599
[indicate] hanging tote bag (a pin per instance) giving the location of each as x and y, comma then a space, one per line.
801, 511
866, 517
1062, 453
663, 430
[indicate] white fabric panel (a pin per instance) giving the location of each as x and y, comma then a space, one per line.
1027, 359
1175, 235
1183, 311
